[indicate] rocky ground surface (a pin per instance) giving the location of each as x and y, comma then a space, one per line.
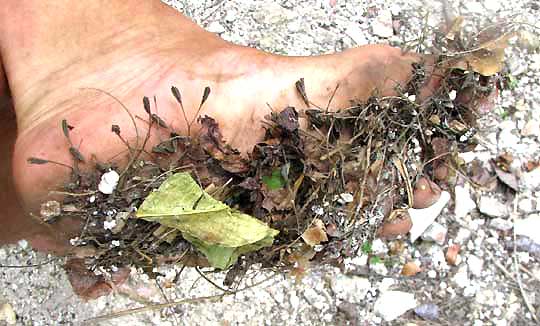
493, 280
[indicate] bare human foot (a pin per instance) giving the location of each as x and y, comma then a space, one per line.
56, 56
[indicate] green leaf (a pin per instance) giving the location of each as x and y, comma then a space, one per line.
224, 257
375, 260
366, 247
218, 231
274, 181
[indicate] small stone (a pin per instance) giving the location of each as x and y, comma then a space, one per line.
382, 25
346, 197
526, 205
294, 300
507, 139
230, 15
436, 233
109, 225
463, 203
452, 254
491, 6
486, 297
528, 40
92, 199
463, 236
500, 224
50, 210
461, 278
428, 311
529, 227
350, 288
7, 314
215, 27
410, 269
108, 182
432, 274
378, 247
379, 268
452, 95
531, 180
354, 31
531, 129
423, 218
491, 206
392, 304
23, 244
475, 265
474, 7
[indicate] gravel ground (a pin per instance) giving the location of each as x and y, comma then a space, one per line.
489, 285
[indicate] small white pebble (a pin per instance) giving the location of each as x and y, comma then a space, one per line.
109, 225
346, 197
115, 243
23, 244
318, 210
452, 94
114, 268
92, 199
108, 182
412, 97
432, 274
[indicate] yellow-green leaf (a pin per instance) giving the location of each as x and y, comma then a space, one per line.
218, 231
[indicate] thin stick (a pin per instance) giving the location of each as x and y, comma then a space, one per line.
31, 265
171, 304
212, 282
516, 264
331, 98
171, 310
123, 107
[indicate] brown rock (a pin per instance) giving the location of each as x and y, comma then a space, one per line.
426, 193
452, 254
398, 223
410, 269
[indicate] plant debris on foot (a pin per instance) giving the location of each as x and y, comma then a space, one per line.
317, 195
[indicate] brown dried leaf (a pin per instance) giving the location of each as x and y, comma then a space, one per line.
300, 259
487, 59
233, 164
213, 144
276, 199
88, 285
315, 234
287, 119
